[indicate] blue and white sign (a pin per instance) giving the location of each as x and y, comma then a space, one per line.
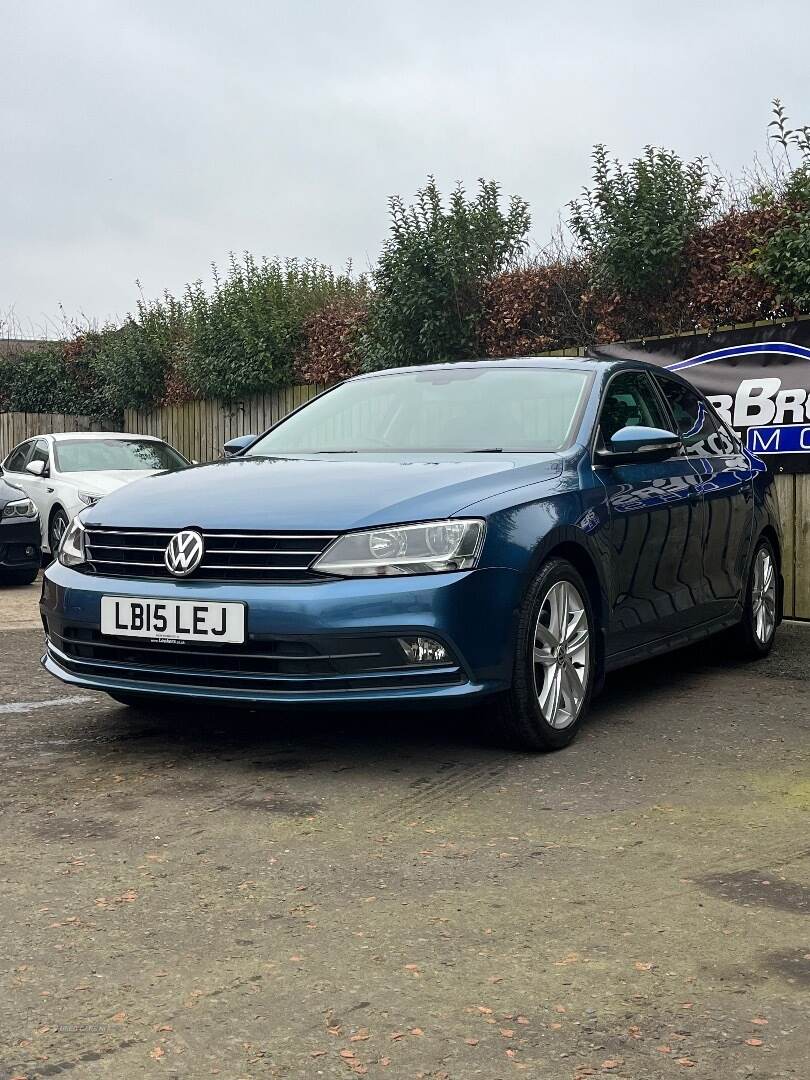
758, 380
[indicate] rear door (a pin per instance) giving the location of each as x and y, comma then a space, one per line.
656, 525
726, 484
14, 465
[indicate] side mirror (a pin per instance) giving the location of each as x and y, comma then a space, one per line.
36, 468
235, 446
636, 445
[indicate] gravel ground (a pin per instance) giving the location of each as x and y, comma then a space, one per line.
391, 894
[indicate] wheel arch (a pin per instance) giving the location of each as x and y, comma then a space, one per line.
769, 533
573, 550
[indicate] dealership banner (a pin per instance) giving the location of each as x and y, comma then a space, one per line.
758, 379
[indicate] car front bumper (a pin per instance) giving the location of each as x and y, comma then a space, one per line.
20, 544
324, 641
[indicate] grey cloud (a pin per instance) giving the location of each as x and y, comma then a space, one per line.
144, 139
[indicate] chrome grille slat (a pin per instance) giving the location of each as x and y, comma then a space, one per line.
247, 551
123, 547
244, 556
124, 562
108, 530
240, 566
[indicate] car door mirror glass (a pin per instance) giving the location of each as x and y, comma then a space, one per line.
638, 444
36, 468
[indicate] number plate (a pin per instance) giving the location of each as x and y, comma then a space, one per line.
172, 620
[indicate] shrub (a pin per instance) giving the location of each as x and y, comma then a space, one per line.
40, 380
332, 336
633, 225
432, 271
244, 337
535, 309
782, 259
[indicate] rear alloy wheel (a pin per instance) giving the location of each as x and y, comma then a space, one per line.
763, 597
555, 662
754, 634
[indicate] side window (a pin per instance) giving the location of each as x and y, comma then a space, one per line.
15, 462
41, 453
702, 433
630, 401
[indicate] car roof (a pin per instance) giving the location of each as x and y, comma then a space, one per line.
590, 362
66, 436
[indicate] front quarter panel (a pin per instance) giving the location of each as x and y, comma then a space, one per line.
525, 526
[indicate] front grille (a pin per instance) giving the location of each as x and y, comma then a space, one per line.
269, 664
229, 556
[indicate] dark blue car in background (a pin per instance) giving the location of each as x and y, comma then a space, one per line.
509, 529
20, 551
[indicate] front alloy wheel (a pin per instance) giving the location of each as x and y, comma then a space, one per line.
562, 648
554, 663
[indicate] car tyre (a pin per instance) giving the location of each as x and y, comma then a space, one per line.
752, 638
555, 661
56, 530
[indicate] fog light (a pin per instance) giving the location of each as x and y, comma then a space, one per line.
424, 650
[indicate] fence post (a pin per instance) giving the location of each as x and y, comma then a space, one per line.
802, 547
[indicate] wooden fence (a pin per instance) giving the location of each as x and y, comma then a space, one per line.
200, 428
15, 427
794, 507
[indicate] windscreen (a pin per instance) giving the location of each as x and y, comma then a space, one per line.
442, 410
115, 455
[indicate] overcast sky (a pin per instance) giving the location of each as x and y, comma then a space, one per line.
144, 139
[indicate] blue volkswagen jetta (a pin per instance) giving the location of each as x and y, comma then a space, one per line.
504, 529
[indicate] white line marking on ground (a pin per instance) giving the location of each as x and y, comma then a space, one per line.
30, 706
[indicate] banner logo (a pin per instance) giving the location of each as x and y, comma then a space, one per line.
761, 389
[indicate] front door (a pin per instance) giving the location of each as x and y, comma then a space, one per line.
656, 525
726, 483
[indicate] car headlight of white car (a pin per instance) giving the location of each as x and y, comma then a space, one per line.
89, 498
71, 549
19, 508
429, 548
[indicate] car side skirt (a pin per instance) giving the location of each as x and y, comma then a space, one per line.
675, 641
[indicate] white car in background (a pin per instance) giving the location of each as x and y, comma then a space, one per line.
64, 473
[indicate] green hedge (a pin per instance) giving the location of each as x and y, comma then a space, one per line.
657, 249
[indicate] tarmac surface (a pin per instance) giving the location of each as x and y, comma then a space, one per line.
392, 894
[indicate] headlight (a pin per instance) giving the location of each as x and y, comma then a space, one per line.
71, 550
430, 548
20, 508
88, 498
